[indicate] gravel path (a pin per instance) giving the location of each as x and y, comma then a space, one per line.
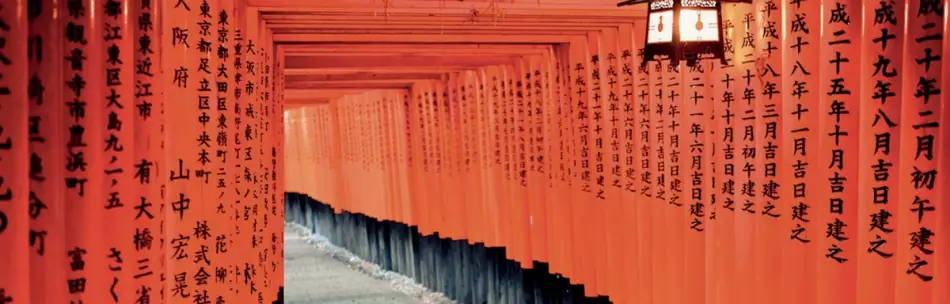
313, 276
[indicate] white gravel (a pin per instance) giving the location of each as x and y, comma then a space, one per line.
316, 271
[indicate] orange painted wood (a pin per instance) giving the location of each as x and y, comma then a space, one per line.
385, 169
537, 156
384, 198
612, 122
915, 169
451, 198
437, 203
722, 213
942, 269
494, 119
658, 159
712, 180
696, 148
45, 204
485, 150
149, 162
838, 199
735, 251
801, 135
501, 114
505, 205
417, 4
444, 175
243, 138
643, 164
520, 194
117, 189
584, 271
269, 238
255, 55
402, 116
568, 169
770, 199
532, 210
628, 164
676, 148
875, 270
414, 137
83, 184
279, 211
224, 201
182, 191
474, 162
504, 168
497, 138
746, 141
547, 163
461, 192
553, 164
596, 100
15, 155
659, 145
428, 161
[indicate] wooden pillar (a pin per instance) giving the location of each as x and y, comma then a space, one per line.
147, 262
917, 171
46, 128
801, 135
658, 179
673, 133
202, 251
838, 124
695, 138
612, 149
747, 174
85, 162
596, 99
278, 167
583, 263
629, 162
180, 60
771, 204
117, 129
879, 153
643, 150
221, 206
15, 154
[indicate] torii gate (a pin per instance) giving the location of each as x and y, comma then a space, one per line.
496, 151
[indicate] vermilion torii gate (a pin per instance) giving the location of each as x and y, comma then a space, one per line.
497, 151
141, 153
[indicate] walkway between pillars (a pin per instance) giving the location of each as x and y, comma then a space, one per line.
313, 276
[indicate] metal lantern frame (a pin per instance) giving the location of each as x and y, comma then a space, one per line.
676, 49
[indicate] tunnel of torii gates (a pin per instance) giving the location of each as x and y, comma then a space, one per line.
496, 151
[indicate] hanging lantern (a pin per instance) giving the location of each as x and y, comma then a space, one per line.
683, 29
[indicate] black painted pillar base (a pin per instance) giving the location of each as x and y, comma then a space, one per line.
280, 296
465, 272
